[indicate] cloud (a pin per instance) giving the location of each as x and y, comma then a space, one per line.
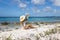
22, 5
35, 10
38, 1
47, 9
56, 11
56, 2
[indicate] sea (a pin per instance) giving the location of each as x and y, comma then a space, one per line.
30, 19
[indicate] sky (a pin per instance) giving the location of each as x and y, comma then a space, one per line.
16, 8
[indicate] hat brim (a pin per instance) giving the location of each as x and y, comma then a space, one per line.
22, 18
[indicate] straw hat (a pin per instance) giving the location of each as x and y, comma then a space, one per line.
22, 18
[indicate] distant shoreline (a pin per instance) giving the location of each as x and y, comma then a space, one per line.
30, 19
35, 17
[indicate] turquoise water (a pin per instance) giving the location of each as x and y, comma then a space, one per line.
36, 19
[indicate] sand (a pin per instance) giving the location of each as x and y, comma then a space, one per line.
42, 32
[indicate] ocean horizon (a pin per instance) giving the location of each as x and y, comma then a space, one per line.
32, 19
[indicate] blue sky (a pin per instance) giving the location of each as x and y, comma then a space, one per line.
33, 7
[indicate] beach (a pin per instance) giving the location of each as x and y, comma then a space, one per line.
29, 19
42, 31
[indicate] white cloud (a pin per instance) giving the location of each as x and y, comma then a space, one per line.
56, 11
38, 1
36, 10
57, 2
22, 5
47, 9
